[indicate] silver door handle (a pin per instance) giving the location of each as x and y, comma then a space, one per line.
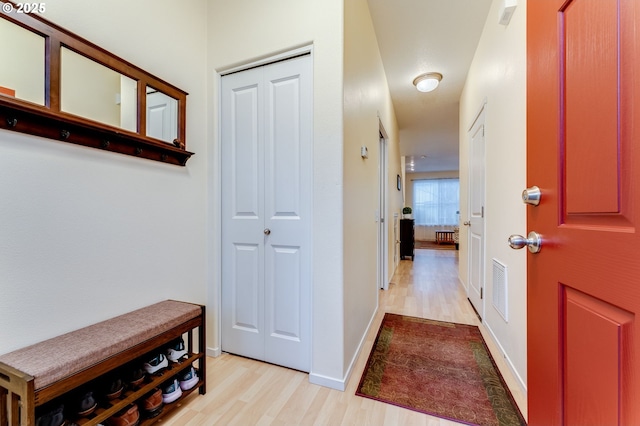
267, 231
533, 242
467, 223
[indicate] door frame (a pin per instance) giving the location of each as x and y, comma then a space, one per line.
214, 207
482, 113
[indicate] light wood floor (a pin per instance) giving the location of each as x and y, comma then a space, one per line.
246, 392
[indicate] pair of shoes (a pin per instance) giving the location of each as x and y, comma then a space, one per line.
112, 386
130, 416
188, 378
176, 350
53, 417
85, 404
156, 363
171, 391
151, 405
134, 375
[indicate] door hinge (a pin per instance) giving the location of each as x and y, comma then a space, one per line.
481, 292
482, 212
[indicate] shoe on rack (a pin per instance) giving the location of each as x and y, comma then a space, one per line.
130, 416
156, 363
53, 417
151, 404
171, 391
135, 375
176, 350
85, 404
112, 387
188, 378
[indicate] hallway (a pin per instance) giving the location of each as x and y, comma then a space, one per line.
246, 392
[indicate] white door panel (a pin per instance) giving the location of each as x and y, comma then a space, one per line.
266, 174
245, 150
243, 297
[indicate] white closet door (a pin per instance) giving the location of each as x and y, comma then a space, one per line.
475, 291
266, 179
243, 214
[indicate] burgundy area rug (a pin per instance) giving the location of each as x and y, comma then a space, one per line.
438, 368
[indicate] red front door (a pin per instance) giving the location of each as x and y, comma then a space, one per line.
583, 139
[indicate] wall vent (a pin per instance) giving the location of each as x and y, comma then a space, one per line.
500, 289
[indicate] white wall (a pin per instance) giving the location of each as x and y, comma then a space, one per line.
244, 31
87, 234
498, 75
366, 103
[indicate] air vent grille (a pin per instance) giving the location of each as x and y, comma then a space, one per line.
500, 289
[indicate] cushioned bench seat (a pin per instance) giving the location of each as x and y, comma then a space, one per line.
52, 360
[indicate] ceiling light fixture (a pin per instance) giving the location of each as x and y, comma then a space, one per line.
427, 82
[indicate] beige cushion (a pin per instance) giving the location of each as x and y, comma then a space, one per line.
59, 357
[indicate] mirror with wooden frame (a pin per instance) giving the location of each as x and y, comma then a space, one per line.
58, 85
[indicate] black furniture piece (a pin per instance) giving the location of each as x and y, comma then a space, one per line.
406, 238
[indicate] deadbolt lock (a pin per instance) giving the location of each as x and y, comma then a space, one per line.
531, 196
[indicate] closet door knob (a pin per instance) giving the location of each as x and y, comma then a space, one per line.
267, 231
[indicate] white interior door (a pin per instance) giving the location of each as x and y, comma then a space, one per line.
266, 212
382, 222
475, 290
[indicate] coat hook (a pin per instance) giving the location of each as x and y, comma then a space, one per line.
64, 134
138, 150
105, 144
12, 122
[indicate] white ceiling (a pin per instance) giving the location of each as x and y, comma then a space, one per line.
419, 36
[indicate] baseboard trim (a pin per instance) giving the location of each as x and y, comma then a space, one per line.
341, 384
521, 383
213, 352
327, 382
462, 284
354, 359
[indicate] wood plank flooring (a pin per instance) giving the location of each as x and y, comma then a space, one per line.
241, 391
